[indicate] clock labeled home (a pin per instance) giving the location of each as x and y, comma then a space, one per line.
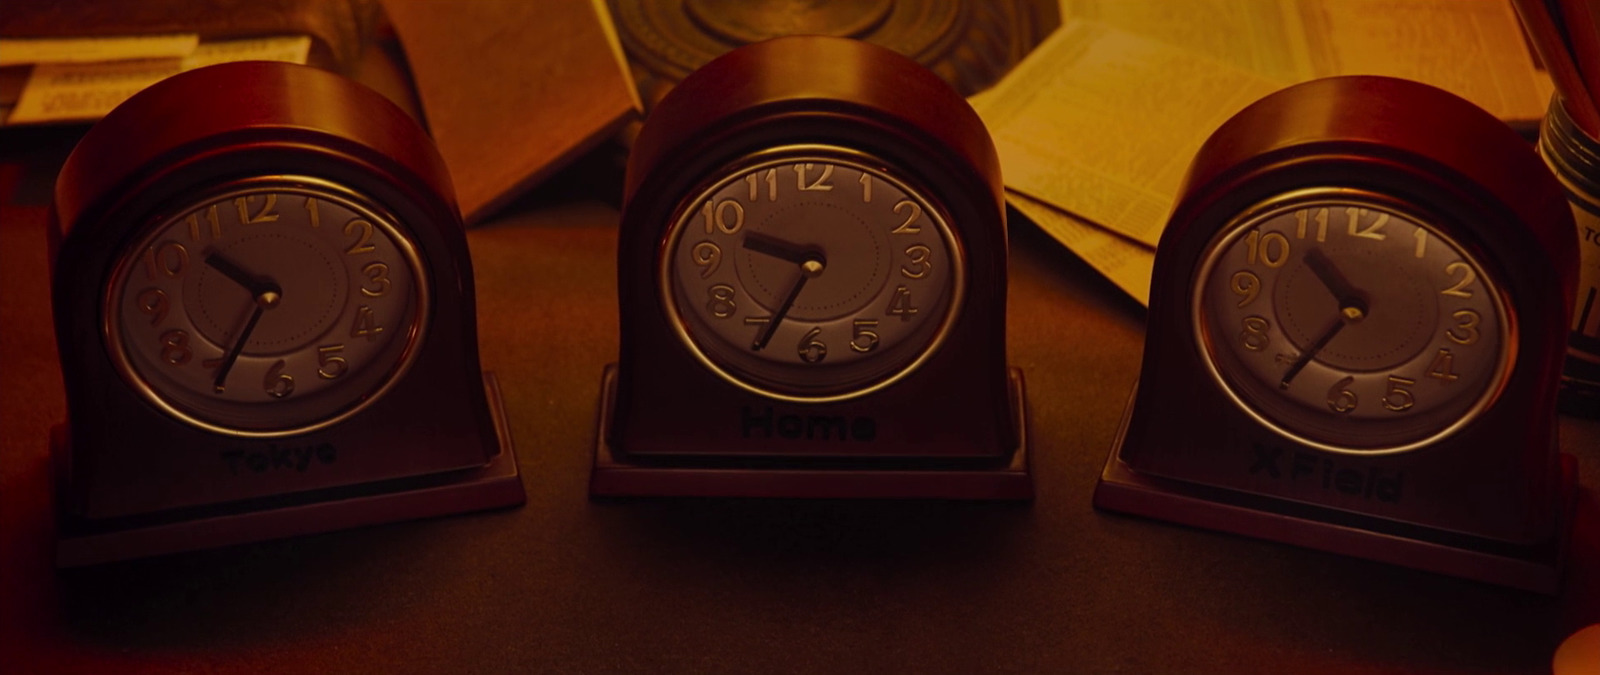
812, 287
1357, 321
264, 307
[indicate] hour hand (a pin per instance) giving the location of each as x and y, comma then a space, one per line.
234, 272
1341, 288
767, 244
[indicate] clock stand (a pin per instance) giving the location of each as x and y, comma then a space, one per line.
183, 435
720, 167
1484, 493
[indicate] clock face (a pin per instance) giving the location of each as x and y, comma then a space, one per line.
267, 308
811, 274
1342, 320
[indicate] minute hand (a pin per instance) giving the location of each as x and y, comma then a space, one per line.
812, 266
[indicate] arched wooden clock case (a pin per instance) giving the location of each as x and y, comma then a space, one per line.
812, 174
352, 393
1357, 208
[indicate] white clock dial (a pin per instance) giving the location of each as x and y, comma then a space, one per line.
811, 274
268, 308
1340, 319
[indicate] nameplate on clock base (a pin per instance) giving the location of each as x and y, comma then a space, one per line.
495, 485
615, 475
1535, 568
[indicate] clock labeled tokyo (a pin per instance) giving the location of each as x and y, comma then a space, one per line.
264, 307
812, 277
1357, 322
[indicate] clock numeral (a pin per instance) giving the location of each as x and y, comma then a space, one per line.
760, 322
1467, 323
330, 364
1247, 284
378, 275
1469, 276
717, 219
821, 183
920, 266
772, 185
365, 324
277, 383
909, 226
152, 301
165, 260
721, 304
1322, 224
811, 349
1372, 231
866, 187
265, 215
1421, 236
1441, 369
900, 304
863, 340
363, 239
1398, 398
211, 219
1340, 399
1255, 335
312, 213
1260, 246
708, 256
175, 347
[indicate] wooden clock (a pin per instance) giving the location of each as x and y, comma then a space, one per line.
812, 281
1356, 331
265, 316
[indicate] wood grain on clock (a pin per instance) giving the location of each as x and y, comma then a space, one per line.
788, 110
1475, 487
221, 242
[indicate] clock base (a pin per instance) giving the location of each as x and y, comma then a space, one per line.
615, 476
1535, 568
495, 485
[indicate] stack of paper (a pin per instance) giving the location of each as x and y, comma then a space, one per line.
1096, 128
82, 79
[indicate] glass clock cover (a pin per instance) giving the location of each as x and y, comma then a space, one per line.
811, 274
267, 308
1345, 321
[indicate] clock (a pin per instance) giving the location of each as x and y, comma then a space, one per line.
851, 255
1356, 332
272, 324
811, 265
265, 318
1341, 320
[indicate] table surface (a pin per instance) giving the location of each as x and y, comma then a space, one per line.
570, 584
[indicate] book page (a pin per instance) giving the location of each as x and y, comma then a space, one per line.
1262, 36
1125, 263
94, 49
1471, 48
74, 92
1102, 123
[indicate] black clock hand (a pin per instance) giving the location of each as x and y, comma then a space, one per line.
1350, 312
267, 295
811, 267
777, 248
234, 272
1329, 275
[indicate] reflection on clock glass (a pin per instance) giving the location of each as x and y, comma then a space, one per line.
811, 275
1346, 323
266, 308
